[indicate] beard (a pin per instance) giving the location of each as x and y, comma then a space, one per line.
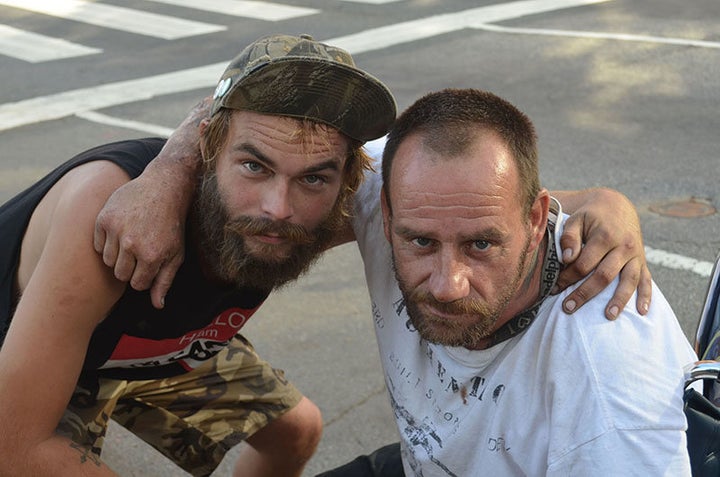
228, 257
473, 320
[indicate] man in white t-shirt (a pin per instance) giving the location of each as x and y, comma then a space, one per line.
487, 375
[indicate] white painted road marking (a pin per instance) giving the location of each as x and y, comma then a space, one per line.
56, 106
244, 8
68, 103
678, 262
406, 32
117, 18
153, 129
35, 48
600, 36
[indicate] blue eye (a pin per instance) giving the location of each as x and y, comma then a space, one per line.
421, 242
253, 166
481, 244
314, 180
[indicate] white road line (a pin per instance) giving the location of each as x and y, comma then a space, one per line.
45, 108
406, 32
117, 18
35, 48
600, 35
60, 105
678, 262
244, 8
126, 123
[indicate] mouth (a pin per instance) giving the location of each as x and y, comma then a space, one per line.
273, 239
430, 310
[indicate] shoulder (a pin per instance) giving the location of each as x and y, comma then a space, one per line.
65, 217
101, 170
631, 335
131, 155
81, 192
634, 364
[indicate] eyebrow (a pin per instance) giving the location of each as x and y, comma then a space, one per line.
406, 232
330, 164
491, 235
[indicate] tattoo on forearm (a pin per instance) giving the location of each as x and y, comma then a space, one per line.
87, 454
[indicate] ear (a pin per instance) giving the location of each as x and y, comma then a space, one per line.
387, 216
203, 129
539, 216
203, 126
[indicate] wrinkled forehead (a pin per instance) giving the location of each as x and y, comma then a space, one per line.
483, 161
478, 181
288, 133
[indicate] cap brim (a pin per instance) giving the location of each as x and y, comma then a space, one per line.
339, 95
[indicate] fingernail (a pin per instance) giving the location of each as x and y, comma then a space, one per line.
555, 290
570, 306
613, 311
567, 254
644, 308
162, 301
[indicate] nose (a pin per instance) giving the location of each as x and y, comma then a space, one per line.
450, 278
276, 202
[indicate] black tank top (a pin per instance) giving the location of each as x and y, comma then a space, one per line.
135, 341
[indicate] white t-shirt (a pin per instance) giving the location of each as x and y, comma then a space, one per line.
572, 395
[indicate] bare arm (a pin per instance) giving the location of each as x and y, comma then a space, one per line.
613, 246
140, 230
66, 291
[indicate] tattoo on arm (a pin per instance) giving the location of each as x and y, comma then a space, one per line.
87, 454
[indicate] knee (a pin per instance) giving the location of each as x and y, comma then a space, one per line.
303, 427
294, 435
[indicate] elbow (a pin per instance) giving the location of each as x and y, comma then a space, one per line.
18, 455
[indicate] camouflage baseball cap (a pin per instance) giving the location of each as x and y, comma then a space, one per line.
299, 77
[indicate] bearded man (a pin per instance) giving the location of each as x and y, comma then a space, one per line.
282, 154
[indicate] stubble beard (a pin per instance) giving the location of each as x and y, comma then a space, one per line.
228, 257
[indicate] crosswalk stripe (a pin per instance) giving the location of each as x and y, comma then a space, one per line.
60, 105
600, 36
117, 18
125, 123
35, 48
45, 108
414, 30
248, 9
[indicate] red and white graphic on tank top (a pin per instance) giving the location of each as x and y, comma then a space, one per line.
189, 350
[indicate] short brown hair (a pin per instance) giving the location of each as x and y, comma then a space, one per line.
449, 121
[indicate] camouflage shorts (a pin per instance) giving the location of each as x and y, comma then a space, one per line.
193, 419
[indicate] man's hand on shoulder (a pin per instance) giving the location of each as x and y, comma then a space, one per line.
140, 234
140, 231
602, 239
